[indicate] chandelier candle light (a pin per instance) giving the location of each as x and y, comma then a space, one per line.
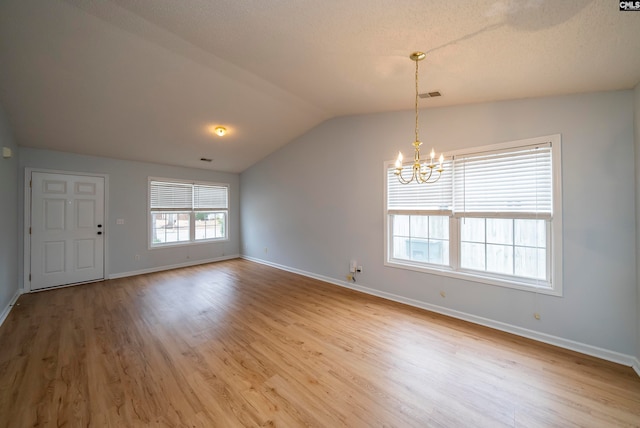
421, 172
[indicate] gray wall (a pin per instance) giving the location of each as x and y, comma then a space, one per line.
127, 199
8, 217
637, 181
318, 202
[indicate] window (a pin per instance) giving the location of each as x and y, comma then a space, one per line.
182, 212
515, 247
494, 217
421, 238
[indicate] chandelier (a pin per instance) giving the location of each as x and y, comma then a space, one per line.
421, 172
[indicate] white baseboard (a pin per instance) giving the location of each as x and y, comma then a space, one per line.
582, 348
5, 311
169, 267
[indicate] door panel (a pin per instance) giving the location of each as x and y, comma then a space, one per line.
54, 213
54, 255
67, 233
85, 253
85, 214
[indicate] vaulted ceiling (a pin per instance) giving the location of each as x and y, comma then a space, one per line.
148, 79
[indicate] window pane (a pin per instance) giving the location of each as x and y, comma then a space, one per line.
401, 248
531, 233
439, 227
413, 238
439, 252
472, 256
500, 231
400, 225
420, 250
500, 259
170, 227
472, 229
531, 262
419, 226
210, 225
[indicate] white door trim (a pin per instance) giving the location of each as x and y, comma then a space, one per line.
26, 283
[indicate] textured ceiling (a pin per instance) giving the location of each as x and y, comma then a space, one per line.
144, 80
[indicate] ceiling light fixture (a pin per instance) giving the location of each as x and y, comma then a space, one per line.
220, 130
421, 172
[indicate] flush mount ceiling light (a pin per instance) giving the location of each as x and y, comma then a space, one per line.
220, 130
421, 172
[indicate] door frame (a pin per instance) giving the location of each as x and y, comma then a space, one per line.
26, 282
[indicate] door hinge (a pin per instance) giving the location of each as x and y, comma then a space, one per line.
29, 277
29, 231
30, 183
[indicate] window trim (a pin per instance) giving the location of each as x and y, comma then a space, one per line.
192, 241
454, 270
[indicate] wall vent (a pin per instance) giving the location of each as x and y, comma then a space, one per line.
430, 94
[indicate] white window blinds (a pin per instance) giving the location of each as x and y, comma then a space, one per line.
433, 198
209, 197
172, 196
512, 182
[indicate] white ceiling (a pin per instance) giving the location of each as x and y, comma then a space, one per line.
146, 79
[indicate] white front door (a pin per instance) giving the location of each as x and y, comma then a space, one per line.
67, 229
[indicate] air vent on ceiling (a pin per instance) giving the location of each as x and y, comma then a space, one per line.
431, 94
206, 159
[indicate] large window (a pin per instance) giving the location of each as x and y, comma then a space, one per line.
183, 212
494, 216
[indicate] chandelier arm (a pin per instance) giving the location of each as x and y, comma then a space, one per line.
437, 178
418, 175
403, 180
429, 178
422, 175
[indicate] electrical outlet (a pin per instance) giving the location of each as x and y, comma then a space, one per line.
137, 257
536, 316
359, 270
353, 266
266, 250
443, 294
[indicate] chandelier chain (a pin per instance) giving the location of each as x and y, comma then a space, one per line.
416, 103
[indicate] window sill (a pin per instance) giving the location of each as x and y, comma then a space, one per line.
445, 271
186, 244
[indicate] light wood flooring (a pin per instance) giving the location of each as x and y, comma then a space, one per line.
239, 344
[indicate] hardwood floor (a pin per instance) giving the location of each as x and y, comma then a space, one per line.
236, 344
